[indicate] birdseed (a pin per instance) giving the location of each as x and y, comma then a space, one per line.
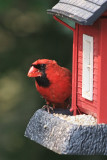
82, 119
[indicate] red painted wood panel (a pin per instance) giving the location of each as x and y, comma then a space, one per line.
84, 104
102, 76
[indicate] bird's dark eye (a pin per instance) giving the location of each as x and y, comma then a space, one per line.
42, 65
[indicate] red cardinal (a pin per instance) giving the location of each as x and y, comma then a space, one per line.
52, 81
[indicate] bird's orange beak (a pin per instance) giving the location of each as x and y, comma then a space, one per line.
34, 72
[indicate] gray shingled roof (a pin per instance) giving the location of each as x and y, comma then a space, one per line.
84, 12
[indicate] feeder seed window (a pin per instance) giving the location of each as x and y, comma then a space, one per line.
87, 73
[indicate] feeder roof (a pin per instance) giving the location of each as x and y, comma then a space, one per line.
84, 12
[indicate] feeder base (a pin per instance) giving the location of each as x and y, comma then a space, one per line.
64, 138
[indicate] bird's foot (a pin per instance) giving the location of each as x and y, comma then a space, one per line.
76, 110
48, 108
68, 106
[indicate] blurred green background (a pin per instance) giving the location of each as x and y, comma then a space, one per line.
26, 34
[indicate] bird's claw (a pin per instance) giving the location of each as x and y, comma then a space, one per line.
48, 108
68, 106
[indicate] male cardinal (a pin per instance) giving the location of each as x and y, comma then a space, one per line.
52, 81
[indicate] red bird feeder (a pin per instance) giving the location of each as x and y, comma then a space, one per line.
89, 85
89, 75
